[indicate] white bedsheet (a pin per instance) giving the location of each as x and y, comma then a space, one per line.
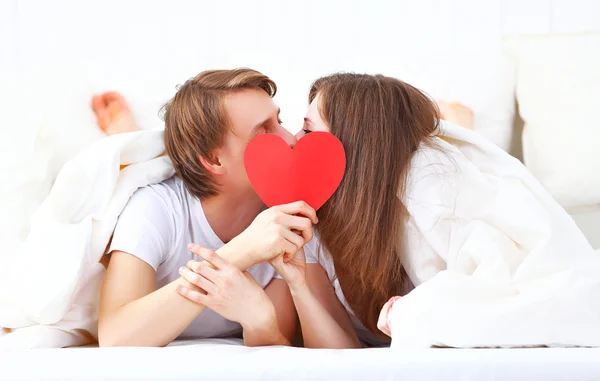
214, 360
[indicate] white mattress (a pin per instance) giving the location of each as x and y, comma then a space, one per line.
219, 360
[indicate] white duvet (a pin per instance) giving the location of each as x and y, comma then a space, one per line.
49, 296
496, 261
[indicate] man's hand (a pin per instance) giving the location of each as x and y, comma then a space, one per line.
231, 293
280, 230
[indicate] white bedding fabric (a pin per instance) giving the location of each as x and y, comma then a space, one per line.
497, 261
519, 270
213, 360
68, 236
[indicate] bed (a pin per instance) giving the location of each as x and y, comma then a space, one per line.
227, 360
96, 58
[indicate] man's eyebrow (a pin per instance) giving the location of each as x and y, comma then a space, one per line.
261, 124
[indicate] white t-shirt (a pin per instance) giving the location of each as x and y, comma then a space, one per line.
156, 225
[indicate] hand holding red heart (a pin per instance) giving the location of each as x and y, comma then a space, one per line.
280, 230
292, 270
311, 172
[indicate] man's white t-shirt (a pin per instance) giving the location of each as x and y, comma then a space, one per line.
156, 225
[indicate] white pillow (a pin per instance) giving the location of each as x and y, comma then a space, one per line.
558, 91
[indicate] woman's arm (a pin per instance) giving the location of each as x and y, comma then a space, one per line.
324, 320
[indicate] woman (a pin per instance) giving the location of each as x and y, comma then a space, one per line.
381, 122
421, 196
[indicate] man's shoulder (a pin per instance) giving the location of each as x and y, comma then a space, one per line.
167, 198
173, 184
152, 224
170, 191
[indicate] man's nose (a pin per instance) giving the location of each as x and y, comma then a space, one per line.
287, 136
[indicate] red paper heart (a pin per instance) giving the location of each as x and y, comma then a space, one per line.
311, 172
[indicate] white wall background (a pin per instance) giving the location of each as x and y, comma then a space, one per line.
55, 54
450, 48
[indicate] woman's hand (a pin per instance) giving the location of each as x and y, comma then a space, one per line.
293, 271
280, 230
384, 317
231, 293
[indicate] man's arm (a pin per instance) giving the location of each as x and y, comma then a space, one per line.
236, 296
134, 313
283, 330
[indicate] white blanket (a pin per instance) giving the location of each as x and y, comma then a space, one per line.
496, 261
504, 264
48, 298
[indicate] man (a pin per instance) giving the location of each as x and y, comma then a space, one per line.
210, 203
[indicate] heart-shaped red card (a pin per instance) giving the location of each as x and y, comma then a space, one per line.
311, 172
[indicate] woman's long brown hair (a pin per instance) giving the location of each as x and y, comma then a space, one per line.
381, 122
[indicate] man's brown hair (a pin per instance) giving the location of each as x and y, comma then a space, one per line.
196, 122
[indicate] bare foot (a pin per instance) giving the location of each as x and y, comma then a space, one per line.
456, 113
113, 114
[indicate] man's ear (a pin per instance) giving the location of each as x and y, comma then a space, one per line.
213, 165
